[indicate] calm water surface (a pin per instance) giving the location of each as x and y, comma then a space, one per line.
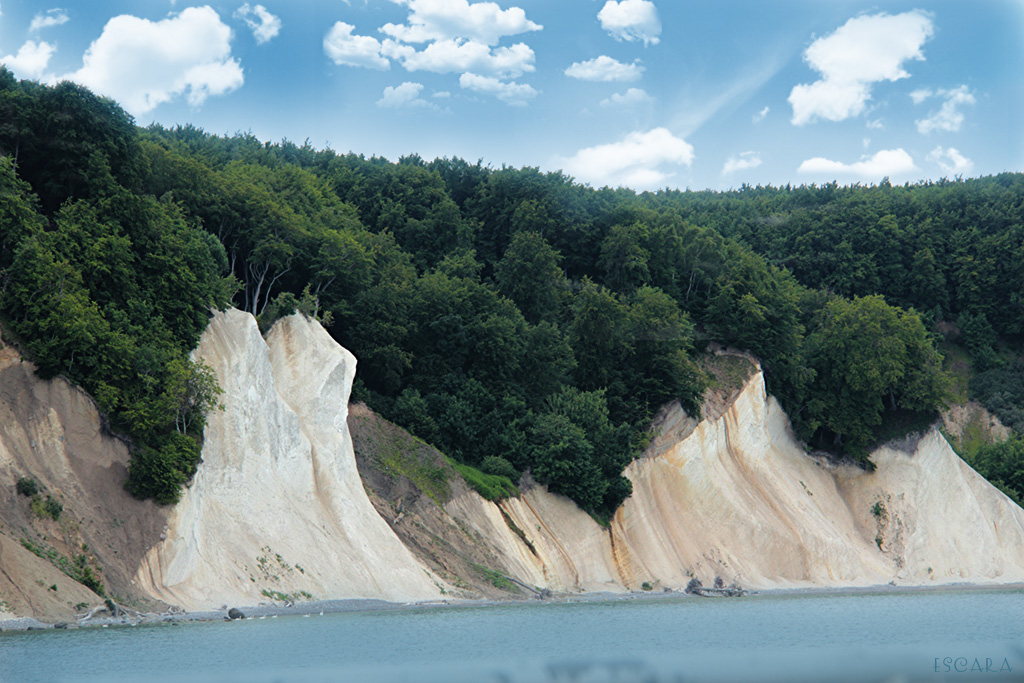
926, 636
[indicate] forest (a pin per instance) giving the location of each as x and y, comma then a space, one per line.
514, 318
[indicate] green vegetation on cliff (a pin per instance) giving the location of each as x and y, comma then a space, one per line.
515, 319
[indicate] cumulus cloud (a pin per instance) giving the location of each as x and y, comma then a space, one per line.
515, 94
637, 161
262, 23
863, 51
404, 96
631, 20
741, 162
606, 69
482, 22
456, 56
346, 49
759, 116
143, 63
631, 98
52, 17
948, 117
951, 160
885, 163
31, 61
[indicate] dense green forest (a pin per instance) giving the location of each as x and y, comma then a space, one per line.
513, 318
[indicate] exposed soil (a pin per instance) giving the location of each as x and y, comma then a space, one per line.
52, 433
389, 460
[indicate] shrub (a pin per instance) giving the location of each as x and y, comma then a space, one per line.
499, 466
27, 486
490, 486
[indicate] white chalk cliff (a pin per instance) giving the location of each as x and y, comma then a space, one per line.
738, 498
277, 507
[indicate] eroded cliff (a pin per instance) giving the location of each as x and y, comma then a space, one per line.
277, 510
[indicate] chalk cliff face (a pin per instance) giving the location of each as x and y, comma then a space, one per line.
738, 498
733, 496
277, 509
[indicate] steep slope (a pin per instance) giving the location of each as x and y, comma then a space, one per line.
739, 498
51, 433
277, 509
735, 496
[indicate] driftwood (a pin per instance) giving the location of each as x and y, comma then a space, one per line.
541, 593
695, 587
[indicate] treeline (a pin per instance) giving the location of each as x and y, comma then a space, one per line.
513, 318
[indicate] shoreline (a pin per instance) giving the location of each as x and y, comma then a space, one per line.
343, 605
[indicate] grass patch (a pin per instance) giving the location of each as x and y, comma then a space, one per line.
727, 372
286, 597
50, 507
491, 486
77, 568
958, 364
497, 579
400, 454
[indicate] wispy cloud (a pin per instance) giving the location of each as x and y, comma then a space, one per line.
631, 98
404, 96
741, 162
951, 160
511, 93
263, 24
607, 69
52, 17
948, 117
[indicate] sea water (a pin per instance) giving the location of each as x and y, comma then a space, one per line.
887, 636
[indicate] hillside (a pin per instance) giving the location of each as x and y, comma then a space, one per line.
278, 511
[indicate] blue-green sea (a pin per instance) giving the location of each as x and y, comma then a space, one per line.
886, 636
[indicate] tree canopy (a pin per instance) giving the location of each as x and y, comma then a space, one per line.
516, 319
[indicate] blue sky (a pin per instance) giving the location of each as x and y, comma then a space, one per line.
640, 93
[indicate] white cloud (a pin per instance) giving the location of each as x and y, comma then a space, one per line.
442, 95
262, 23
346, 49
885, 163
142, 63
606, 69
635, 161
958, 163
863, 51
759, 116
455, 56
876, 124
631, 98
405, 96
919, 96
948, 117
482, 22
31, 61
742, 162
515, 94
631, 20
53, 17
